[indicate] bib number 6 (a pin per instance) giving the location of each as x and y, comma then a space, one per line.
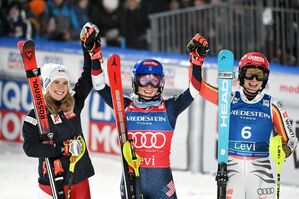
246, 133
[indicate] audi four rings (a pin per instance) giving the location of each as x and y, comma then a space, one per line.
148, 140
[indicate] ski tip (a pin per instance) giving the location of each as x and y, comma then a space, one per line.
115, 56
225, 56
225, 53
20, 44
27, 44
114, 60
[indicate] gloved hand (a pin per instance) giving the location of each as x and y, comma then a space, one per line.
198, 48
286, 149
90, 37
73, 147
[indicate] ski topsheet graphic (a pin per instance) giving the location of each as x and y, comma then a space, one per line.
130, 160
27, 50
225, 76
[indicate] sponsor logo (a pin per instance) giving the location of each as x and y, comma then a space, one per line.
245, 146
29, 54
265, 191
290, 128
289, 89
235, 100
224, 105
11, 125
53, 59
103, 138
266, 103
256, 58
250, 114
99, 110
39, 104
35, 72
148, 140
146, 119
61, 71
148, 161
150, 63
15, 61
56, 119
50, 135
279, 104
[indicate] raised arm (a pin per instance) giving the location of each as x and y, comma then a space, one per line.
91, 41
198, 48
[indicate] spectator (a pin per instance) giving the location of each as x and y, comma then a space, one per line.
62, 22
174, 5
4, 25
81, 11
37, 17
106, 15
18, 25
134, 25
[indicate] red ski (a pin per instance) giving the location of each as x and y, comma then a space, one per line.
130, 160
27, 50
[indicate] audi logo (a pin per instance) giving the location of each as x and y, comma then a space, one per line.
148, 140
265, 191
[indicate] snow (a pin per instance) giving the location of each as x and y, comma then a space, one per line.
18, 178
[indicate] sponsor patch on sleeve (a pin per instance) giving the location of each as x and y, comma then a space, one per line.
31, 120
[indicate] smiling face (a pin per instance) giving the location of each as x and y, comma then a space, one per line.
148, 85
147, 92
58, 89
253, 80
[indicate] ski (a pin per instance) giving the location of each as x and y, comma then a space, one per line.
225, 76
130, 160
278, 155
27, 50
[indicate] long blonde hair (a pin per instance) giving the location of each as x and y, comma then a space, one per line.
67, 104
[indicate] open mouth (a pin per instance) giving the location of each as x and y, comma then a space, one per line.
59, 93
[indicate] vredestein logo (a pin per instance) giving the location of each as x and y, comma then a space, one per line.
250, 114
39, 103
146, 118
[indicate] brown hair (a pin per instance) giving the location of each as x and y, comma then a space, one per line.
66, 104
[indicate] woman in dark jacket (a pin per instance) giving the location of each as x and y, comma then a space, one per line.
64, 107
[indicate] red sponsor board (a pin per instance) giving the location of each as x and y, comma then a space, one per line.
11, 125
103, 138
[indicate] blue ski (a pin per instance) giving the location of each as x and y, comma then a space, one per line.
225, 77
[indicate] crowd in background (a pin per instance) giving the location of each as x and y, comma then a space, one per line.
121, 22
